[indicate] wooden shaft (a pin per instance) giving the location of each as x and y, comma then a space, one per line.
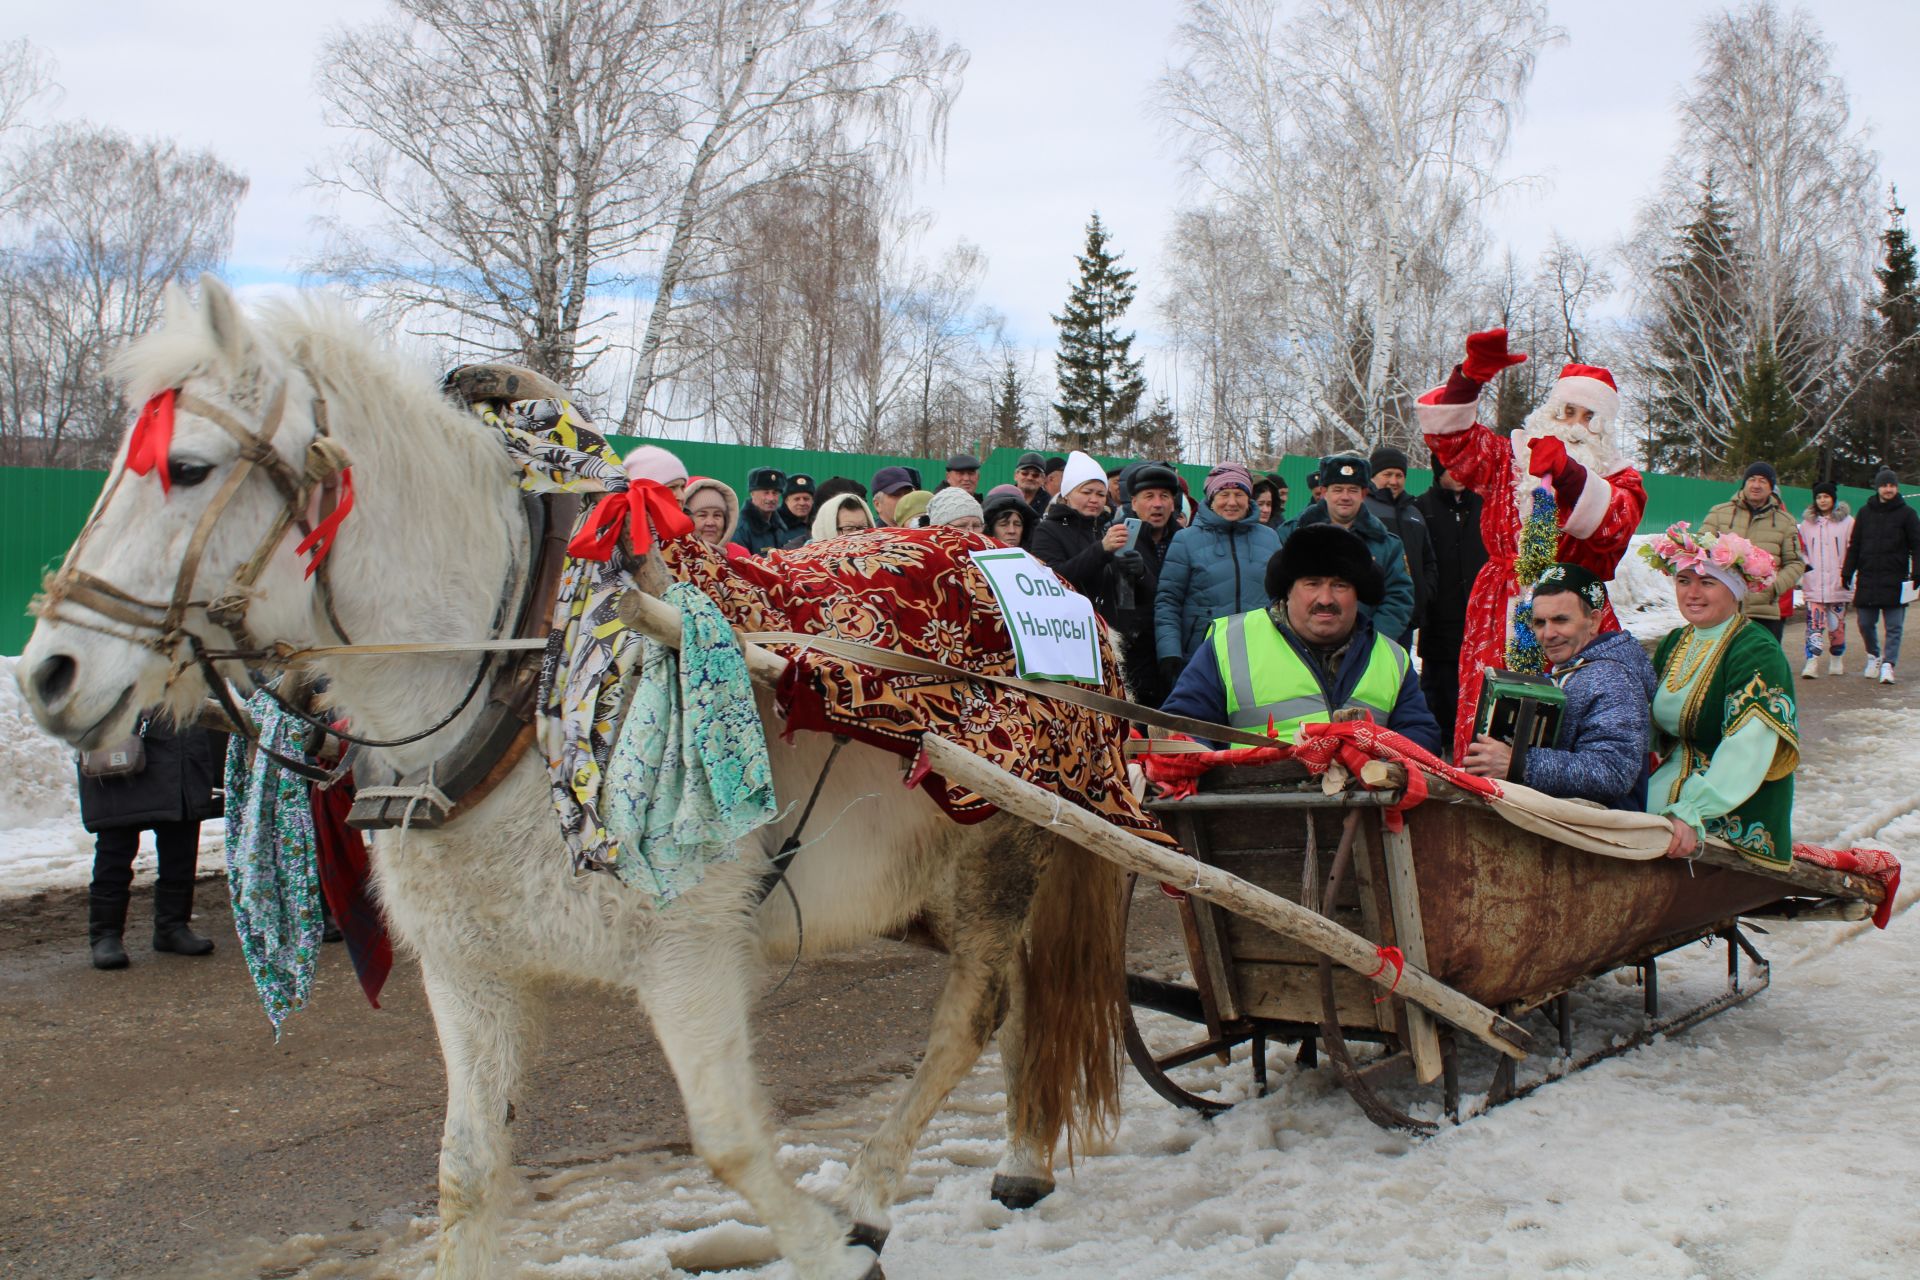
1021, 798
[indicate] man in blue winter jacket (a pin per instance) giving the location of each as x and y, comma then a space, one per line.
1310, 653
1600, 753
1344, 504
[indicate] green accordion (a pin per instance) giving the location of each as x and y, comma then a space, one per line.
1521, 710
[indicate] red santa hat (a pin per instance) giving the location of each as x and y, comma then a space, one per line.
1590, 387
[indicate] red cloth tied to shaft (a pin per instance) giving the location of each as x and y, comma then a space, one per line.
1875, 864
1350, 743
642, 509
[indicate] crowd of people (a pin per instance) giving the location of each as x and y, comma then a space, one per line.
1229, 607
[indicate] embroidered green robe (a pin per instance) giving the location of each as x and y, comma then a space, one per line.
1728, 735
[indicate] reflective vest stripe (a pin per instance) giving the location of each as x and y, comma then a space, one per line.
1291, 691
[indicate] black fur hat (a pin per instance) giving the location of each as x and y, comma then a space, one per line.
1316, 549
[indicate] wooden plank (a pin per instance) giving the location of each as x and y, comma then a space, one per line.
1025, 800
1291, 993
1370, 882
1403, 892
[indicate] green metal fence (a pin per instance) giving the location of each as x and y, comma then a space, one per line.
41, 510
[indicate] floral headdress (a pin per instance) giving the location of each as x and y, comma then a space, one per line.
1728, 557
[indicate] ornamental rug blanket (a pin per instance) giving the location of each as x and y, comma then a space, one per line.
918, 592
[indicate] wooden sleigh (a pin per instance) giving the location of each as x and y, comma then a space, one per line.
1287, 896
1290, 895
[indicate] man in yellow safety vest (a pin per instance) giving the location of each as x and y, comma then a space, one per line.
1309, 653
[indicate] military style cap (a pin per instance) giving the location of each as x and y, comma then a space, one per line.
764, 478
798, 482
1345, 468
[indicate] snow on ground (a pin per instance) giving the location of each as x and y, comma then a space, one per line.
42, 845
1771, 1141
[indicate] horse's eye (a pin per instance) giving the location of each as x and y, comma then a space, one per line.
188, 474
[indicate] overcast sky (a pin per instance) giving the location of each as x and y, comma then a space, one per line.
1055, 119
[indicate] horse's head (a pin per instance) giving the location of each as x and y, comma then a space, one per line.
200, 512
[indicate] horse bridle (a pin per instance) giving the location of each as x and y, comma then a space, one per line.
161, 626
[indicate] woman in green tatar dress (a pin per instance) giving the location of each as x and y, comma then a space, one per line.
1724, 717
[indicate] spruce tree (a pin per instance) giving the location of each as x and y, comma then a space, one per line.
1009, 409
1882, 426
1100, 382
1767, 421
1696, 332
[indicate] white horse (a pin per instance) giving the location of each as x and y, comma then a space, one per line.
488, 903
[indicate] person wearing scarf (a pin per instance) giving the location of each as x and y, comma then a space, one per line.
1725, 722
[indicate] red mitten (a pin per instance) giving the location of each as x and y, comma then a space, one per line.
1546, 456
1487, 355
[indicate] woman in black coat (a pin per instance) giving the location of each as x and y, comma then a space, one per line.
178, 787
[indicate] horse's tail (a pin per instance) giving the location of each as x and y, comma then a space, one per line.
1075, 990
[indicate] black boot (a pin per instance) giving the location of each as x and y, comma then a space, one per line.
106, 922
172, 908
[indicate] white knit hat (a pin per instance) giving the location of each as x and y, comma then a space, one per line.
952, 504
1080, 469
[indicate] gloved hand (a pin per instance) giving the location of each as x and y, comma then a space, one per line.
1487, 355
1547, 456
1170, 669
1131, 563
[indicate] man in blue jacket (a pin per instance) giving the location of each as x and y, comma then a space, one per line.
1309, 653
1344, 504
1600, 753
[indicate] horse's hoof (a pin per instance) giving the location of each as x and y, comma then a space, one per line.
874, 1273
1020, 1193
865, 1235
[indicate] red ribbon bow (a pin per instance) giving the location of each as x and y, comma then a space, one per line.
643, 501
153, 437
320, 541
1389, 956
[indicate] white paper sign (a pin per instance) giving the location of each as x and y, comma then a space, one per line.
1055, 635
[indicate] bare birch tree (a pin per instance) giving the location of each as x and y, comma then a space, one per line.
102, 223
768, 89
1359, 141
510, 156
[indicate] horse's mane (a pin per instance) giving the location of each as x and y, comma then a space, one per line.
365, 379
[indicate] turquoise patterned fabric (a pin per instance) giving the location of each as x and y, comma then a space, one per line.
272, 870
690, 774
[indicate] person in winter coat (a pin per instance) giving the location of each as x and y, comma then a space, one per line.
1757, 514
714, 509
839, 516
1309, 654
176, 789
1825, 528
1073, 538
1883, 556
1153, 493
1607, 727
1008, 515
1453, 525
1400, 512
1344, 504
1215, 567
765, 525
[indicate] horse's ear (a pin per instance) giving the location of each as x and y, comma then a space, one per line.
174, 303
224, 318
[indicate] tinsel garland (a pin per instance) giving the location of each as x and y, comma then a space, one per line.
1539, 542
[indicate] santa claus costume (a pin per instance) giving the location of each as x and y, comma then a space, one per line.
1556, 490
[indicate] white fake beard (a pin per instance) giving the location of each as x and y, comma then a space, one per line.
1591, 446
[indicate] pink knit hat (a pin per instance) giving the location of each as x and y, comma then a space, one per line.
1229, 475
